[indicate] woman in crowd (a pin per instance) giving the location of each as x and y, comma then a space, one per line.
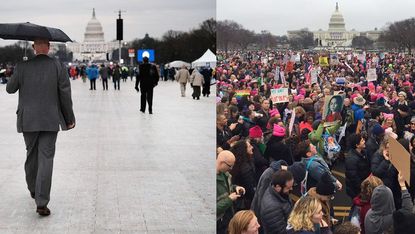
244, 222
307, 217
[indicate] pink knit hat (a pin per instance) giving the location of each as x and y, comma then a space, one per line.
278, 131
273, 112
255, 132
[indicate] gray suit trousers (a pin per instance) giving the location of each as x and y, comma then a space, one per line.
40, 148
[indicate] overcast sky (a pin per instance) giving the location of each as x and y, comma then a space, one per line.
278, 16
142, 16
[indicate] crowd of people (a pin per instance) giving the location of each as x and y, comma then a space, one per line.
267, 147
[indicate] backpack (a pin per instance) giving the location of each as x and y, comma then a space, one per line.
303, 185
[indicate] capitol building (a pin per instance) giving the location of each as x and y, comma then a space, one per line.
93, 47
337, 35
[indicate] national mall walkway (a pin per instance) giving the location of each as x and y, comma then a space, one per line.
119, 170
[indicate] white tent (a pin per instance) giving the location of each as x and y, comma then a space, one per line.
178, 64
207, 59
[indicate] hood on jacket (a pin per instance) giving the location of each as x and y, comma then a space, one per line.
382, 205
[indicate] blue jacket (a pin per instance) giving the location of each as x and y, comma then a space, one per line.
92, 72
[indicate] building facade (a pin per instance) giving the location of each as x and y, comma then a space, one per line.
93, 47
337, 35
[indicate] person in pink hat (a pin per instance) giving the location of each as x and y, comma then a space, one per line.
276, 146
256, 138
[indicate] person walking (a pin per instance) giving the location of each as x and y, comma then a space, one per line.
196, 80
116, 76
183, 77
148, 79
44, 104
103, 72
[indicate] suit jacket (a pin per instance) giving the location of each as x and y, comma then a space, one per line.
44, 95
147, 76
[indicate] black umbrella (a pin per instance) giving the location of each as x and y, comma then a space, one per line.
30, 32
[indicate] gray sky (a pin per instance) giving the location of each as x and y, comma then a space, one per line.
278, 16
142, 16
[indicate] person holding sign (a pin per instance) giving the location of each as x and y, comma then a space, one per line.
382, 167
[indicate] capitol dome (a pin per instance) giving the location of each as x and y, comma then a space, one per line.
336, 23
93, 32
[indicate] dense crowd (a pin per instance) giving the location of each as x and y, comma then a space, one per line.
266, 148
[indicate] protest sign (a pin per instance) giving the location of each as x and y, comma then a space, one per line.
333, 106
400, 158
334, 59
323, 61
279, 95
290, 127
371, 74
314, 74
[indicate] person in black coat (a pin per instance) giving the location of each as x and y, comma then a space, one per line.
376, 134
276, 147
207, 75
243, 172
357, 165
148, 77
402, 119
383, 168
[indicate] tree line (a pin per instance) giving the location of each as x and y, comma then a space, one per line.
174, 45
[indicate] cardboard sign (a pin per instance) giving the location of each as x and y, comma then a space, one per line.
279, 95
349, 57
323, 61
371, 74
400, 158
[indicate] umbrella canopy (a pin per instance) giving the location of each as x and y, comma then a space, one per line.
178, 64
30, 32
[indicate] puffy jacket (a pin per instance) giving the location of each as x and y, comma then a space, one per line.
357, 170
275, 211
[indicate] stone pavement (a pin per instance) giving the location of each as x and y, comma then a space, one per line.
119, 170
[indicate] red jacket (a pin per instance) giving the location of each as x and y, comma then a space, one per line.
364, 208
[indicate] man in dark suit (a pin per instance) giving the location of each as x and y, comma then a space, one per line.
148, 78
45, 103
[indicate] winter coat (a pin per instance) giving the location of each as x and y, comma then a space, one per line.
316, 169
372, 145
263, 184
261, 164
275, 210
357, 170
384, 169
183, 76
92, 73
278, 150
316, 136
224, 209
243, 174
380, 217
364, 208
196, 79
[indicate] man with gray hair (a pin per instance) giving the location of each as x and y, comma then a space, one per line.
45, 103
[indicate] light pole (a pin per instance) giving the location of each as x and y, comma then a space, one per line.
119, 33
